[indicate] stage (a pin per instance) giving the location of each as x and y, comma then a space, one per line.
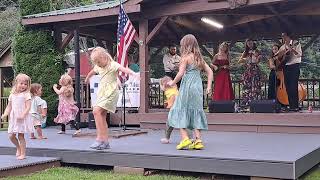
272, 155
300, 122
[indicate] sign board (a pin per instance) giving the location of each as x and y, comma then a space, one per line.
132, 93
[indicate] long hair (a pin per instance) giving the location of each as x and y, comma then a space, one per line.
100, 53
247, 48
226, 45
66, 81
20, 77
275, 45
189, 44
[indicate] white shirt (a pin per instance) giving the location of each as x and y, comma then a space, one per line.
170, 62
293, 58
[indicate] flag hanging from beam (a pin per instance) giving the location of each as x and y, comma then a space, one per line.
125, 36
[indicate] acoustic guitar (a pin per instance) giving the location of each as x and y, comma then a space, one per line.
281, 58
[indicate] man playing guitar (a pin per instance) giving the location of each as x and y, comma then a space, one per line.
291, 65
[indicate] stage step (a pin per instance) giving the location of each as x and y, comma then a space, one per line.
250, 122
10, 166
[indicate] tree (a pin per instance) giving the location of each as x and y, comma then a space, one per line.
36, 55
9, 19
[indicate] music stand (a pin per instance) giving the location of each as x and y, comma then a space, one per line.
124, 126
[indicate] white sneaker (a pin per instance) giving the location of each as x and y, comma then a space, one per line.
164, 141
77, 132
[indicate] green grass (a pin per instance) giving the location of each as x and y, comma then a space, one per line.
77, 173
80, 173
313, 174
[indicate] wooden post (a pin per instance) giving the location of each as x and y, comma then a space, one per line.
77, 70
1, 82
57, 38
1, 94
144, 66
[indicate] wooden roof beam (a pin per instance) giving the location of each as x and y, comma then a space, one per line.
248, 19
66, 40
205, 50
311, 41
156, 29
196, 7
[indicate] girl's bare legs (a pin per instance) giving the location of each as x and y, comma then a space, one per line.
39, 132
197, 134
15, 141
100, 116
22, 142
104, 129
184, 134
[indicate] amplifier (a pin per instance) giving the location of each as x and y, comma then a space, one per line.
264, 106
221, 106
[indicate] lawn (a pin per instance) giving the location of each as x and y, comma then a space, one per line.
80, 173
77, 173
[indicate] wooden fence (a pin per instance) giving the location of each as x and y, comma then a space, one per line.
156, 96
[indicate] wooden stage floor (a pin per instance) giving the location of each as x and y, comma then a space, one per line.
273, 155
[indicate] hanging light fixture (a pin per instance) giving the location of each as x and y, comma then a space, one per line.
212, 22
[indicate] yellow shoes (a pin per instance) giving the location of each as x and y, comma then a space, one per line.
188, 144
196, 145
184, 144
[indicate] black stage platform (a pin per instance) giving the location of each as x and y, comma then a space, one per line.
273, 155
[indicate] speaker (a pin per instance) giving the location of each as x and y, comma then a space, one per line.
221, 106
264, 106
92, 123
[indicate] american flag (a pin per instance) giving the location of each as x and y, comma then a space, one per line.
126, 34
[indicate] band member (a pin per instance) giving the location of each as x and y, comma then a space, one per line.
222, 81
292, 69
252, 80
272, 93
171, 62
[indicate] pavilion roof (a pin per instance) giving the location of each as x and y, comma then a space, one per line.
80, 9
264, 19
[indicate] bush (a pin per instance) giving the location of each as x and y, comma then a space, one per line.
35, 55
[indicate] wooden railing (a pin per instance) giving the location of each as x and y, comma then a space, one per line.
156, 96
3, 105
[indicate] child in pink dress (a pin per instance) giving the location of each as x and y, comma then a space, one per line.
67, 110
20, 121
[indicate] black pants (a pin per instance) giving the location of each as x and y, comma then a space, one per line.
72, 123
291, 78
272, 93
173, 75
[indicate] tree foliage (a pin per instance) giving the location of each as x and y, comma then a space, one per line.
9, 19
36, 55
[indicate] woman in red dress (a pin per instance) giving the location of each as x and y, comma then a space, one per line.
222, 82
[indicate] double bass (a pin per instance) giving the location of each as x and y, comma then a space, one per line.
281, 58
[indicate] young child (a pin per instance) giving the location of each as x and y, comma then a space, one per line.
20, 121
187, 112
170, 93
37, 110
108, 92
67, 110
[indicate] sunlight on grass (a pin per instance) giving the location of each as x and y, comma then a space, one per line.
77, 173
312, 175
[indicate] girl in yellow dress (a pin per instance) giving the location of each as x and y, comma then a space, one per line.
108, 92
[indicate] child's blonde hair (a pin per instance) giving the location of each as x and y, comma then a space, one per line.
66, 81
34, 88
21, 77
100, 53
164, 82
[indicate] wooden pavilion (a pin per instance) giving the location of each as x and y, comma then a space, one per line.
165, 21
